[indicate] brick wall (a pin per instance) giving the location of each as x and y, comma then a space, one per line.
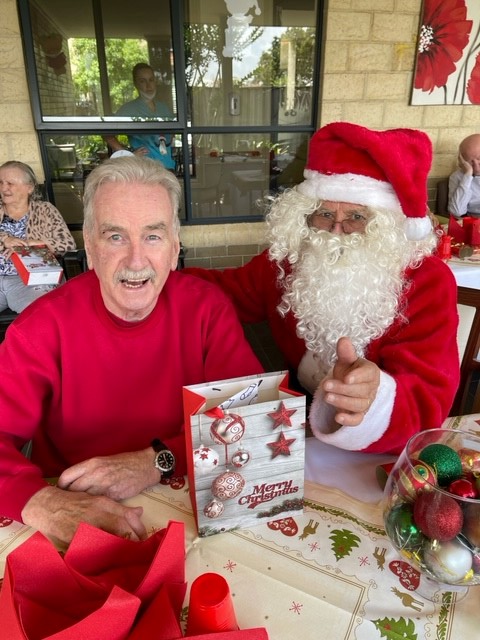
367, 78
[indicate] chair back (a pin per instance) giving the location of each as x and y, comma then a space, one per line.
468, 339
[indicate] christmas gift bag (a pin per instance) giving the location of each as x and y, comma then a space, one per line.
245, 441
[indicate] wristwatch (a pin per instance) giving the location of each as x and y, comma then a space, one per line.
164, 459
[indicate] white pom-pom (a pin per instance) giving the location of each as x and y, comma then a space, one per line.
418, 228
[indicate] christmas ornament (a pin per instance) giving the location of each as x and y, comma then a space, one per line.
228, 429
437, 515
214, 508
410, 478
228, 485
449, 561
281, 446
282, 416
240, 458
463, 488
471, 523
205, 460
401, 528
470, 459
444, 460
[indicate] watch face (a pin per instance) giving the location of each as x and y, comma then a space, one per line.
165, 461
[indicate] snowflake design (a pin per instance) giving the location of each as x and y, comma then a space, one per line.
296, 607
230, 566
363, 560
314, 546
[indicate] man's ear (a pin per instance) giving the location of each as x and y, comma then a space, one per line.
86, 243
175, 254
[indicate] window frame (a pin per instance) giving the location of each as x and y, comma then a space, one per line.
44, 128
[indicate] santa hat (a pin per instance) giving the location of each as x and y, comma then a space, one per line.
388, 169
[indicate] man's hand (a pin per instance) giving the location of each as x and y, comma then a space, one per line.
464, 166
118, 477
353, 386
57, 513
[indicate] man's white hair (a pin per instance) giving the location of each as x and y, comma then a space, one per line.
341, 285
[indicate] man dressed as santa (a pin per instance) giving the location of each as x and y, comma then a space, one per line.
363, 312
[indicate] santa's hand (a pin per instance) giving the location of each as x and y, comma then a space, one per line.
353, 385
464, 166
57, 514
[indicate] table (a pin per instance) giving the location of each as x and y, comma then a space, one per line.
467, 273
326, 573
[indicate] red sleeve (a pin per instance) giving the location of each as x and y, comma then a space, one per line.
252, 288
421, 355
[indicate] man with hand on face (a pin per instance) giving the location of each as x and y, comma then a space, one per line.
363, 313
92, 373
464, 183
146, 107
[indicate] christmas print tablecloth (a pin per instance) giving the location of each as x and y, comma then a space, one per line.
329, 572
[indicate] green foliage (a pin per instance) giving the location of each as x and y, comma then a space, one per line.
271, 70
400, 629
121, 54
343, 541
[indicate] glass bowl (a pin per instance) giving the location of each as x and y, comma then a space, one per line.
431, 507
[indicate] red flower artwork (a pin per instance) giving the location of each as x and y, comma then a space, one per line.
473, 85
444, 34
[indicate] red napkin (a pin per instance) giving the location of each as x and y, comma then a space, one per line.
103, 582
468, 232
100, 560
40, 599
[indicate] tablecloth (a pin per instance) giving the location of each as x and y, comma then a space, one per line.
330, 572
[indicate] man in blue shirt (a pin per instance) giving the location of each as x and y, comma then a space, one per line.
146, 107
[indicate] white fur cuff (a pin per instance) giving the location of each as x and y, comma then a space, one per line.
372, 427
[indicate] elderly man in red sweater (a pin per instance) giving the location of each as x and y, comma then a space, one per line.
364, 313
92, 373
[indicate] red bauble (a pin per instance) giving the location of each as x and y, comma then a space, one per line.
437, 515
411, 478
464, 488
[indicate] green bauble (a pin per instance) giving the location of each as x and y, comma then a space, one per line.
444, 460
401, 528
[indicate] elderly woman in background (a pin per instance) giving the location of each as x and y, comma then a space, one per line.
25, 220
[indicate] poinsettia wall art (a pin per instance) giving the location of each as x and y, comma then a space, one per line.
448, 53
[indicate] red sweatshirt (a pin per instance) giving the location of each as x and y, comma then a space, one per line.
80, 383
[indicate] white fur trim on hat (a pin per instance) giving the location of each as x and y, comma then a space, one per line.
349, 187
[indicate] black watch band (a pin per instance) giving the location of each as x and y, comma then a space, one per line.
164, 459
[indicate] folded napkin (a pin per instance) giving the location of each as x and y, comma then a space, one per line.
103, 582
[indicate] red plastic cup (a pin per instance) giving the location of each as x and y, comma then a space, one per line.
211, 606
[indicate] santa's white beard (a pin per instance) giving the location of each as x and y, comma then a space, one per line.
346, 285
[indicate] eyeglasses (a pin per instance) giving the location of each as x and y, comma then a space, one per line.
325, 221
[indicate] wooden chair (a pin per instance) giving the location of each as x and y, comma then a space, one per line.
468, 400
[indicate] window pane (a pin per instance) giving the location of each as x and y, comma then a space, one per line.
231, 174
250, 63
70, 159
82, 78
